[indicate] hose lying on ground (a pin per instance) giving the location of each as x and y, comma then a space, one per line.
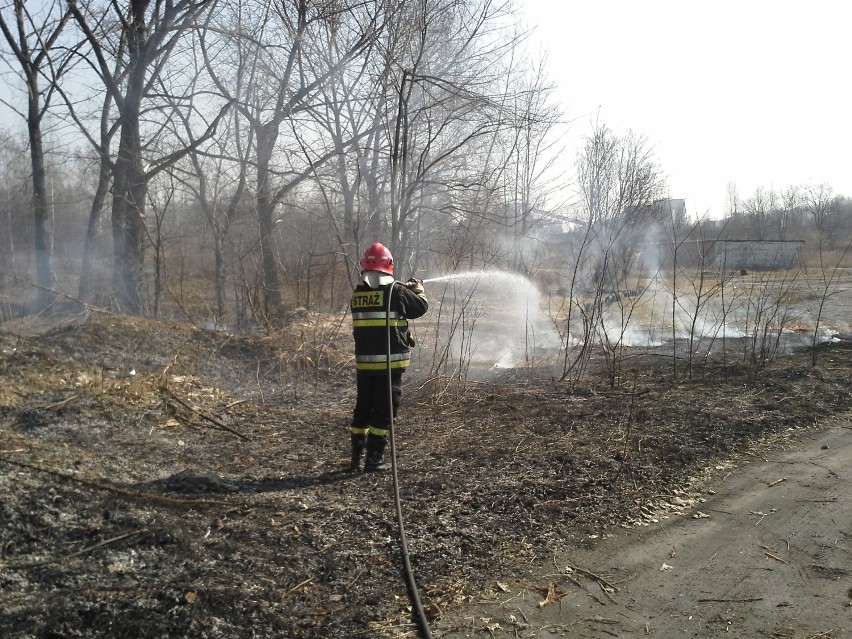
413, 595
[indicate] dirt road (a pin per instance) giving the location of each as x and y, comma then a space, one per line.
768, 554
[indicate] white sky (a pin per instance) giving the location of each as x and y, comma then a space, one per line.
754, 92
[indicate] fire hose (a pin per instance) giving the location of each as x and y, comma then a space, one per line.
413, 595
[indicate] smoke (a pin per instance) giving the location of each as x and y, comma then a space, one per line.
624, 289
489, 320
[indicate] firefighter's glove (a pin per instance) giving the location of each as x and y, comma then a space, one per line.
415, 285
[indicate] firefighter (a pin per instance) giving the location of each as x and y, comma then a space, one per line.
380, 305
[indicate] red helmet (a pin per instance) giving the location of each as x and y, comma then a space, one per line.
377, 258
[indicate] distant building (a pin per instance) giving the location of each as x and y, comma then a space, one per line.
731, 255
757, 254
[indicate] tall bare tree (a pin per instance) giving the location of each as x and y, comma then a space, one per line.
449, 66
145, 34
94, 250
275, 79
436, 133
732, 200
789, 206
14, 210
217, 177
30, 37
618, 181
618, 184
818, 201
531, 176
759, 209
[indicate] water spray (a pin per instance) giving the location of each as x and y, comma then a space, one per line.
503, 321
457, 276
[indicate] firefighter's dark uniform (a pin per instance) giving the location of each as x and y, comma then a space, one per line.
371, 420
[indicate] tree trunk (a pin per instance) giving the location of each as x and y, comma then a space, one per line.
128, 229
130, 185
220, 275
93, 251
128, 209
265, 213
44, 267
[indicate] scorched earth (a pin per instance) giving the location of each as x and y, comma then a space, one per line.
157, 480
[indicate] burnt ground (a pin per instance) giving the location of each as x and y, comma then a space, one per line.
157, 480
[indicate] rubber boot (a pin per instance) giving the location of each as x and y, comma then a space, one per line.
358, 443
375, 455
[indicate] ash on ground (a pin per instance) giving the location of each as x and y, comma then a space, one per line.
158, 480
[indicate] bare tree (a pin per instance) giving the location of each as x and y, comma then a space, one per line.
767, 315
270, 93
139, 37
697, 304
351, 114
818, 201
94, 251
451, 59
530, 176
758, 208
219, 181
826, 283
440, 105
789, 205
596, 175
677, 233
618, 183
30, 38
576, 344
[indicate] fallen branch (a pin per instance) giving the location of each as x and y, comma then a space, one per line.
582, 586
565, 500
89, 307
606, 592
82, 551
195, 411
57, 404
760, 514
746, 600
297, 586
598, 578
597, 619
638, 393
576, 582
775, 557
